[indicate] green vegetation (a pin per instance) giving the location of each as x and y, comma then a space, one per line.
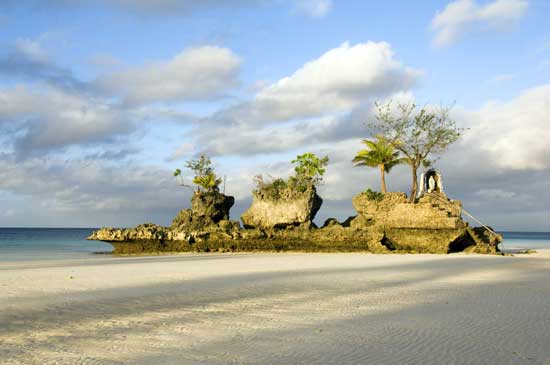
205, 179
177, 173
310, 168
379, 153
374, 195
417, 133
308, 172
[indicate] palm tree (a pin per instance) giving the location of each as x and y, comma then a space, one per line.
177, 173
379, 153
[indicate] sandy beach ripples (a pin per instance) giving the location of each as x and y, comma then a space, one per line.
277, 309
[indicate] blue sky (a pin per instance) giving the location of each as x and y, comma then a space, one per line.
100, 101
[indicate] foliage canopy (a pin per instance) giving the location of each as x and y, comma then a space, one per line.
416, 132
205, 179
379, 153
308, 172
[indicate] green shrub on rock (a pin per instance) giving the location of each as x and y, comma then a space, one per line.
309, 170
374, 195
205, 179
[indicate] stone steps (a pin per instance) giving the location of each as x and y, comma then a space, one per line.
475, 237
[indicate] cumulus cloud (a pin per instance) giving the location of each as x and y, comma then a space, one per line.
465, 16
337, 81
514, 133
91, 193
200, 73
285, 114
497, 167
43, 120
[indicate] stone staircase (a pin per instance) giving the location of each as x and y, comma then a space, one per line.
475, 236
484, 237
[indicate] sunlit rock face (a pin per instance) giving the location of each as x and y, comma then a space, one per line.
393, 210
206, 209
288, 210
433, 224
283, 222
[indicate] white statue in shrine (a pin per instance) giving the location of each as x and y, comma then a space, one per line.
431, 184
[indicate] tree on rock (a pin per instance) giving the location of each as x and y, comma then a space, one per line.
417, 133
379, 153
205, 179
309, 169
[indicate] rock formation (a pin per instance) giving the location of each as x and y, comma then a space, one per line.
290, 209
384, 223
433, 224
207, 209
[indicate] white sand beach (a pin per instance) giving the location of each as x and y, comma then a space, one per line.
277, 309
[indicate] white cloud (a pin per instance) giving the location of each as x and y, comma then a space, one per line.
91, 193
465, 16
313, 8
515, 133
200, 73
46, 119
338, 81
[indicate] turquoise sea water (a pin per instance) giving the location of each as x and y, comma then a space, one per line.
18, 244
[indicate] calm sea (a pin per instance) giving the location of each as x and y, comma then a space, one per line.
60, 243
48, 243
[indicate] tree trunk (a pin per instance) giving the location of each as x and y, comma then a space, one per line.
414, 188
383, 181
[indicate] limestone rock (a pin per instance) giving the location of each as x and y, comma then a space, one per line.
394, 211
213, 205
207, 209
278, 213
187, 220
146, 231
433, 224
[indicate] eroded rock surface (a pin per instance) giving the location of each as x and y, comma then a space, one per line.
212, 205
282, 212
433, 224
383, 224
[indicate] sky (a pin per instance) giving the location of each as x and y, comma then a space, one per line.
101, 100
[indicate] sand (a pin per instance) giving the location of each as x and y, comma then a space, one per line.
277, 309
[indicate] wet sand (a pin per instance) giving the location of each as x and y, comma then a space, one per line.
277, 309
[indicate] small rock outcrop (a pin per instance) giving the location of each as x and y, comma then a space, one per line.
289, 209
207, 209
213, 205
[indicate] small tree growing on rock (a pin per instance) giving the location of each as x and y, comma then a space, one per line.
416, 133
205, 179
379, 153
309, 170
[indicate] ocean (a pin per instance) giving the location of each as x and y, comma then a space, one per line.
21, 244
